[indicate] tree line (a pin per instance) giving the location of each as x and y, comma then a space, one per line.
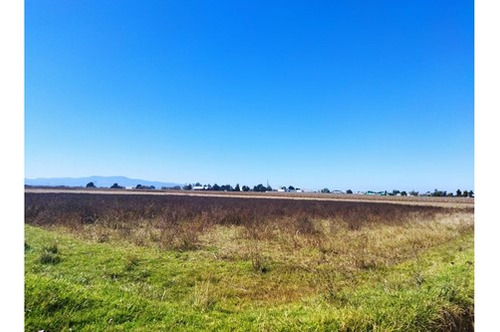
261, 188
227, 187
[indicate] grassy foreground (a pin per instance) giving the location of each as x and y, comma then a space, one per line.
80, 284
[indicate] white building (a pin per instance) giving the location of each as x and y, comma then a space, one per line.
199, 187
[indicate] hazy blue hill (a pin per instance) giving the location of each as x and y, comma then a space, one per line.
99, 181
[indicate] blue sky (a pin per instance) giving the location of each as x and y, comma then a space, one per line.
346, 95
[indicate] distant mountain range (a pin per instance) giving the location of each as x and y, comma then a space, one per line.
99, 181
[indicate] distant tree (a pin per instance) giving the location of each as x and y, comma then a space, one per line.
260, 188
237, 187
226, 187
245, 188
459, 193
187, 187
438, 193
449, 195
465, 194
90, 185
471, 194
140, 186
216, 187
291, 188
349, 191
404, 193
413, 193
395, 192
116, 186
269, 188
325, 191
197, 184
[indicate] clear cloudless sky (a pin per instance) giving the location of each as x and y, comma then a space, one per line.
361, 95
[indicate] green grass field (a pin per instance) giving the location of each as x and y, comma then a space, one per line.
86, 286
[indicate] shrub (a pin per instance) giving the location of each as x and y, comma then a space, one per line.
202, 296
258, 262
48, 258
50, 255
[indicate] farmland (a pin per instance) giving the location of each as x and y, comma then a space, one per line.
114, 261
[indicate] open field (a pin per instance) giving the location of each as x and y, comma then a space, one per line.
455, 202
109, 261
